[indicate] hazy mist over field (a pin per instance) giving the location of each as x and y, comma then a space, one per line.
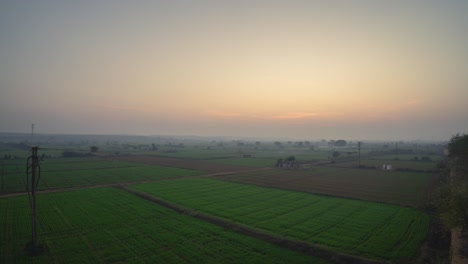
304, 69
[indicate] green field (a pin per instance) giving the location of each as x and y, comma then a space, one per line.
111, 226
308, 205
62, 173
355, 227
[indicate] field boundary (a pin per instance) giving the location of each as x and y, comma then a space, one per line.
295, 245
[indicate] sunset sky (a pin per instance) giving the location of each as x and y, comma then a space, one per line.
299, 69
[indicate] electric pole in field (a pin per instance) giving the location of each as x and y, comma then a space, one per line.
33, 174
396, 150
359, 152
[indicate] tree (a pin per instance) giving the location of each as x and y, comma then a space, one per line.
458, 147
278, 144
291, 158
454, 194
340, 143
93, 148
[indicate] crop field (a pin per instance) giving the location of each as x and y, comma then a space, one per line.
106, 225
351, 226
337, 209
62, 173
401, 188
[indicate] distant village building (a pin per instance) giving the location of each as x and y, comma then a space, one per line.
386, 167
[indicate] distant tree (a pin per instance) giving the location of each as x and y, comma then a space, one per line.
278, 144
336, 154
426, 158
93, 148
154, 147
340, 143
291, 158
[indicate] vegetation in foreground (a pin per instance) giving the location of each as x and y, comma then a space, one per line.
107, 225
350, 226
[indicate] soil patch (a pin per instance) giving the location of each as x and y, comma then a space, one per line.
193, 164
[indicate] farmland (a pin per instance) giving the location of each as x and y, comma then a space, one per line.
108, 225
355, 227
232, 184
377, 163
402, 188
64, 173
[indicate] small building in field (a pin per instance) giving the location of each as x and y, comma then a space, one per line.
386, 167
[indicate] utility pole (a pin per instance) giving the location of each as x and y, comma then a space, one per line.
32, 130
35, 163
359, 152
33, 170
396, 150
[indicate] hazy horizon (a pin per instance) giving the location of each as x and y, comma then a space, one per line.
393, 70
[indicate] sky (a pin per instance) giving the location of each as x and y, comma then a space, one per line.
375, 70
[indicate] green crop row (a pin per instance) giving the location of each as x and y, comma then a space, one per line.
351, 226
108, 225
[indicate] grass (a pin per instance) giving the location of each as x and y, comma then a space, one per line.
355, 227
107, 225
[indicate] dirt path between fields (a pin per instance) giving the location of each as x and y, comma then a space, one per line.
295, 245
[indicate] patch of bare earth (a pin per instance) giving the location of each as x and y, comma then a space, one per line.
376, 187
193, 164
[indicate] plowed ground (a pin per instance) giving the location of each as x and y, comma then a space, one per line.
200, 165
401, 188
